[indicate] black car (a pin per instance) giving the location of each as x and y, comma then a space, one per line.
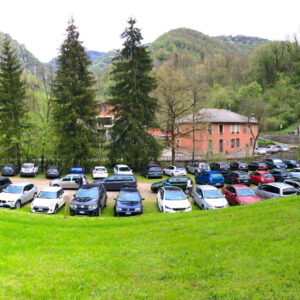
53, 172
89, 200
295, 182
280, 174
151, 171
291, 163
10, 170
237, 177
258, 165
220, 167
117, 182
239, 166
4, 182
275, 163
128, 202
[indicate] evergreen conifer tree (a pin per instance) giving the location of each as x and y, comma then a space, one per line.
134, 108
74, 104
12, 101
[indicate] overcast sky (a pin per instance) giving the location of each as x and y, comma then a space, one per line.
40, 25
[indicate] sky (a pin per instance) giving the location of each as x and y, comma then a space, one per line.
40, 24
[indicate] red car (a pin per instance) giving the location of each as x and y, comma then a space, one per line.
260, 177
239, 194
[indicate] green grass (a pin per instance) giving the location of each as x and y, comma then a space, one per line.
264, 142
248, 252
282, 131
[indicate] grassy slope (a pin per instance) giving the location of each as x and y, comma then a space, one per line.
237, 253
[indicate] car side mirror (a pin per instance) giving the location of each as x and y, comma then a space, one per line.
115, 199
143, 199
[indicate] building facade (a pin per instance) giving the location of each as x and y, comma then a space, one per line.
105, 118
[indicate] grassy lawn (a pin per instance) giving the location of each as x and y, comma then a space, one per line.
248, 252
282, 131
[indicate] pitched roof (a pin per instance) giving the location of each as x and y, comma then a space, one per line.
214, 115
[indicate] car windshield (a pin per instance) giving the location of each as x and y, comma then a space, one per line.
288, 192
27, 166
52, 169
245, 192
157, 169
14, 189
261, 149
100, 169
293, 161
180, 168
213, 194
267, 176
216, 175
47, 195
128, 196
124, 169
243, 164
223, 165
77, 169
174, 195
88, 193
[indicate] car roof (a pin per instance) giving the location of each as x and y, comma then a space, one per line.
207, 187
240, 172
27, 164
99, 167
213, 172
171, 188
121, 166
90, 186
279, 184
240, 186
21, 183
262, 172
52, 189
129, 190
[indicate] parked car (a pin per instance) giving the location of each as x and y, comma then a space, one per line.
53, 172
211, 178
50, 200
274, 190
17, 194
220, 167
151, 171
291, 163
279, 149
295, 182
174, 171
275, 163
260, 151
122, 170
283, 147
239, 166
239, 194
295, 172
197, 167
209, 197
9, 170
128, 202
29, 169
281, 174
4, 182
260, 177
99, 172
179, 181
257, 165
117, 182
237, 177
272, 149
70, 181
172, 199
77, 170
89, 200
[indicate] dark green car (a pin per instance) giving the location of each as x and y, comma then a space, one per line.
180, 181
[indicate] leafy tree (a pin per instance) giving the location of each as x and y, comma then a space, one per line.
12, 101
134, 108
73, 104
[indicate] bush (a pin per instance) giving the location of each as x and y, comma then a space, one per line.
271, 125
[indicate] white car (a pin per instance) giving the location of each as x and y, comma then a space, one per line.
70, 181
99, 172
260, 151
295, 172
122, 170
29, 170
283, 147
172, 199
50, 200
209, 197
174, 171
197, 167
17, 194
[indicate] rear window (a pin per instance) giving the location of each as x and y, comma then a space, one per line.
156, 169
267, 176
289, 191
27, 166
243, 164
277, 161
223, 165
180, 168
100, 169
216, 175
126, 178
244, 176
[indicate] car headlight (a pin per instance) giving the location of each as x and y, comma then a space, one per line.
93, 206
137, 209
73, 205
118, 208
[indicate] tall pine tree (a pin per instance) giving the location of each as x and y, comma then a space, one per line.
73, 107
134, 108
12, 101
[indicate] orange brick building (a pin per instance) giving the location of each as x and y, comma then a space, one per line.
217, 130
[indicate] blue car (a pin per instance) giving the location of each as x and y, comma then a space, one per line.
128, 202
214, 178
77, 170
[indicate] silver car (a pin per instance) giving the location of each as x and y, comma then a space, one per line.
70, 181
197, 167
274, 190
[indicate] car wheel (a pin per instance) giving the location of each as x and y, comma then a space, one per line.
202, 207
99, 211
18, 204
105, 202
72, 213
56, 209
172, 174
34, 196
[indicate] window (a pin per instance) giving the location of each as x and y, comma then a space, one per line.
251, 141
177, 129
178, 142
232, 128
244, 129
221, 128
210, 144
237, 128
232, 143
237, 142
103, 108
210, 128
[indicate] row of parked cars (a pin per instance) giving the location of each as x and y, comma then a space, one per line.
271, 149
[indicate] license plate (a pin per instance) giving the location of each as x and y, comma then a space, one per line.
40, 209
127, 213
81, 212
1, 204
